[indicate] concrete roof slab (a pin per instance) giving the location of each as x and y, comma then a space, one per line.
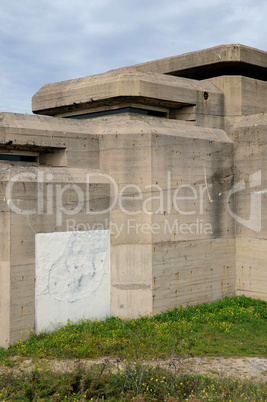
103, 89
205, 63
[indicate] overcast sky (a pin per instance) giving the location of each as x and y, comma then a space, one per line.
44, 41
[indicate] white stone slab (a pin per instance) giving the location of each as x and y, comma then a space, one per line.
72, 277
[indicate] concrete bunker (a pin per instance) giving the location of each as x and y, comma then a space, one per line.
135, 190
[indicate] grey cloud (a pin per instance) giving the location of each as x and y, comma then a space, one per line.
46, 41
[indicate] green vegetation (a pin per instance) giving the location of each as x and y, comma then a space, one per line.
229, 327
138, 383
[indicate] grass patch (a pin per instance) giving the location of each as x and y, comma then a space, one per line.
229, 327
138, 383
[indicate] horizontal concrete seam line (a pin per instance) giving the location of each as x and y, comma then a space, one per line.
251, 238
249, 291
131, 286
142, 147
67, 135
169, 242
215, 137
208, 239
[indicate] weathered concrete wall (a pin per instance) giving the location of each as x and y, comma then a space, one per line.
193, 253
125, 155
4, 261
43, 199
158, 158
250, 270
23, 229
193, 272
242, 95
250, 136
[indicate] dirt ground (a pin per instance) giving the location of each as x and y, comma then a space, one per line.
253, 368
